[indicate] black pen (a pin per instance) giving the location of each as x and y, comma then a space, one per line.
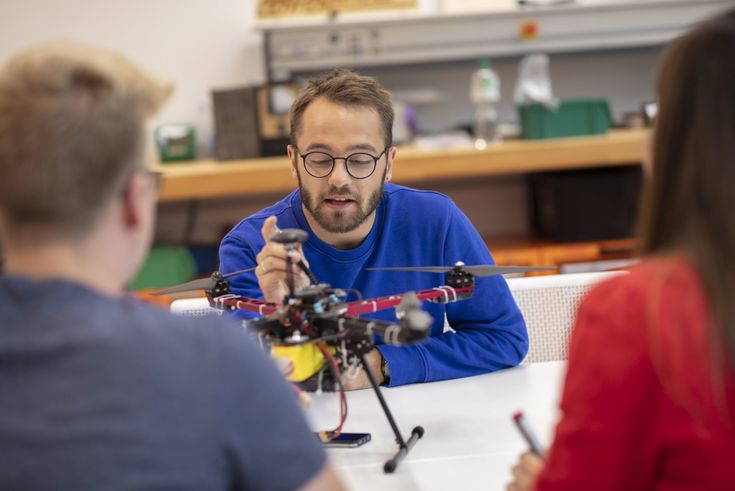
528, 434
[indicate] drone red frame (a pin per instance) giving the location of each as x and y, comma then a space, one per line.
439, 294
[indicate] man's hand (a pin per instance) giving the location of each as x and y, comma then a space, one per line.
361, 381
271, 269
525, 472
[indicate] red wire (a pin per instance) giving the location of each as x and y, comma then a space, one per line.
342, 398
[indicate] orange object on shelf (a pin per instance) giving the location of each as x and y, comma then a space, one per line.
529, 30
524, 256
536, 252
569, 253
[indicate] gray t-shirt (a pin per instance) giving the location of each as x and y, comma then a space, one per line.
112, 394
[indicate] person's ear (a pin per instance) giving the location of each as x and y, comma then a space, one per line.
133, 201
389, 166
294, 162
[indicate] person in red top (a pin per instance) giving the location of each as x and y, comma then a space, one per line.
649, 398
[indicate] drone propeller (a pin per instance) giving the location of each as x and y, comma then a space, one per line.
481, 270
201, 283
290, 236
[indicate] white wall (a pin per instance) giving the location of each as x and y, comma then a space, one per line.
197, 44
205, 44
625, 77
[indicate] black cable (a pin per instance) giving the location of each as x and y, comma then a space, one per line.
308, 272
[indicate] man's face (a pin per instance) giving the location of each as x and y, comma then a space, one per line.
339, 203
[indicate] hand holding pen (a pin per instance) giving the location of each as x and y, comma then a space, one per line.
528, 434
526, 471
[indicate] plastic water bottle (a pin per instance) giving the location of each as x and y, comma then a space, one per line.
485, 94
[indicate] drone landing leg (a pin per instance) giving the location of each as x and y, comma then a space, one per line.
403, 446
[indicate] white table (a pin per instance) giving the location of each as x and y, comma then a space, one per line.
470, 441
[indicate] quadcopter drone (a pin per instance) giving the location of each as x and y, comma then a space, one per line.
318, 316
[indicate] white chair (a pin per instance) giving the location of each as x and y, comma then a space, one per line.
549, 306
193, 307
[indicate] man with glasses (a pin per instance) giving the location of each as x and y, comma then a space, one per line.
341, 156
101, 391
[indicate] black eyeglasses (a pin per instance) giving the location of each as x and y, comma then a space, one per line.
359, 165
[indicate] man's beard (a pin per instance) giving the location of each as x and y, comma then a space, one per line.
339, 222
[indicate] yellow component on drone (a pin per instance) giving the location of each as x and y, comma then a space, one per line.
306, 359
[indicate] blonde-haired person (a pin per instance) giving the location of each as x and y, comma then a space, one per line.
101, 391
649, 399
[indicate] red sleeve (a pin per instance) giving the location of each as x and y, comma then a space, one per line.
609, 402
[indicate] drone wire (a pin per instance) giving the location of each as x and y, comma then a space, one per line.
354, 369
302, 396
342, 398
358, 294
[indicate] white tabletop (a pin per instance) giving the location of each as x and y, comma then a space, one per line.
470, 441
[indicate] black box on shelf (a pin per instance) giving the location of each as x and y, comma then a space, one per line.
235, 124
586, 205
252, 122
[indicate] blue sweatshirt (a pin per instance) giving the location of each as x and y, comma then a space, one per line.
412, 228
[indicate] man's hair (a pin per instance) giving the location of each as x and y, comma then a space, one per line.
342, 86
72, 121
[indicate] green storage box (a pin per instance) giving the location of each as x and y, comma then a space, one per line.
176, 142
165, 266
576, 117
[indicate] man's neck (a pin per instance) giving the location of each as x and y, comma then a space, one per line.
342, 241
75, 262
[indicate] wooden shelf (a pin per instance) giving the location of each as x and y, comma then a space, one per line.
212, 179
525, 251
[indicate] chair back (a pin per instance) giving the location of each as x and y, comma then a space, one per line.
193, 307
549, 307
